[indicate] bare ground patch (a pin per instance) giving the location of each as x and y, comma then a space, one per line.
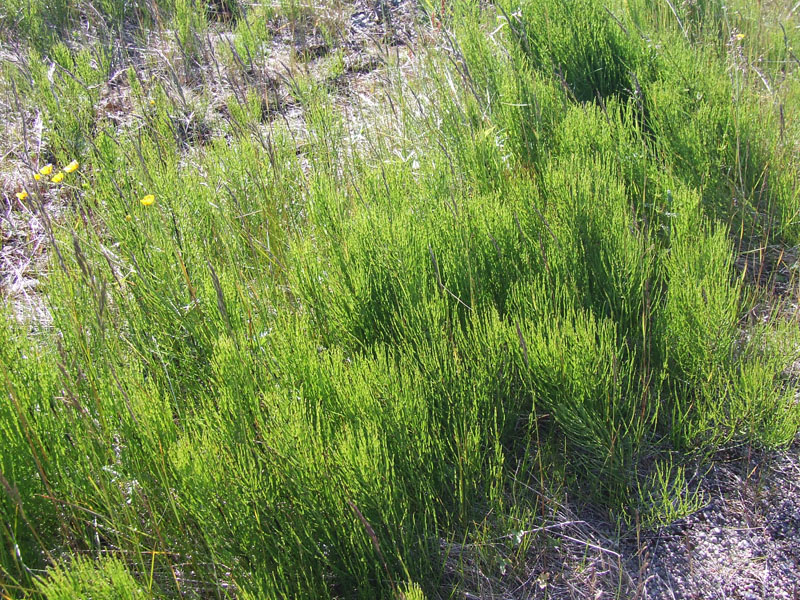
742, 545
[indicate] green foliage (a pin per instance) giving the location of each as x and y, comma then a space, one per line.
319, 357
106, 579
582, 43
252, 35
44, 23
66, 88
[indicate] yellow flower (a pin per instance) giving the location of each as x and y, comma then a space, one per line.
36, 176
128, 218
148, 200
58, 177
46, 170
73, 166
740, 36
152, 102
22, 195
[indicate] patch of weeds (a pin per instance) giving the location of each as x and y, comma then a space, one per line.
470, 332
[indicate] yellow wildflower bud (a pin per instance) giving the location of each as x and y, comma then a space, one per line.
22, 195
46, 170
58, 177
36, 176
148, 200
128, 218
73, 166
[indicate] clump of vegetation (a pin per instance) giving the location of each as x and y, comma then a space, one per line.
311, 348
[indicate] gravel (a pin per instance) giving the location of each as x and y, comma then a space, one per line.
742, 545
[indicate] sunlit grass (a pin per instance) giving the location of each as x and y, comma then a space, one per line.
304, 361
